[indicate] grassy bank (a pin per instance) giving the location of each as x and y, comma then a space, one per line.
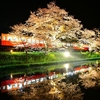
32, 58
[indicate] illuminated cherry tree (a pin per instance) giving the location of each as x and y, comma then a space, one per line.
49, 24
90, 37
52, 24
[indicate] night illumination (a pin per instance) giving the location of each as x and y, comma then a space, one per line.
66, 54
11, 51
66, 66
11, 76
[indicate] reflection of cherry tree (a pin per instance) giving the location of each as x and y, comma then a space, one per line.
49, 90
91, 79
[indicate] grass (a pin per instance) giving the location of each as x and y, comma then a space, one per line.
18, 62
37, 58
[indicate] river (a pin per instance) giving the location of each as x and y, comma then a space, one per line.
62, 68
40, 74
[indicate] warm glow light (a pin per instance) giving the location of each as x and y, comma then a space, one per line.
82, 70
52, 83
90, 68
67, 54
11, 76
66, 66
11, 51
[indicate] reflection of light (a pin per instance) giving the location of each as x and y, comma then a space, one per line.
90, 68
41, 79
9, 86
24, 83
20, 85
97, 62
66, 66
67, 54
11, 76
82, 70
76, 71
70, 73
52, 83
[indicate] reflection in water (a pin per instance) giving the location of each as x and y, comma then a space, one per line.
49, 87
18, 78
6, 72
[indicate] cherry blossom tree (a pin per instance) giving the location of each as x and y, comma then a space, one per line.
49, 24
20, 31
90, 37
52, 24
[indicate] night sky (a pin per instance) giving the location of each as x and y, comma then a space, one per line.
17, 11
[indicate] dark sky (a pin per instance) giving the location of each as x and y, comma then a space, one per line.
17, 11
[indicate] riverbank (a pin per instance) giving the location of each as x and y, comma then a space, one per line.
20, 59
